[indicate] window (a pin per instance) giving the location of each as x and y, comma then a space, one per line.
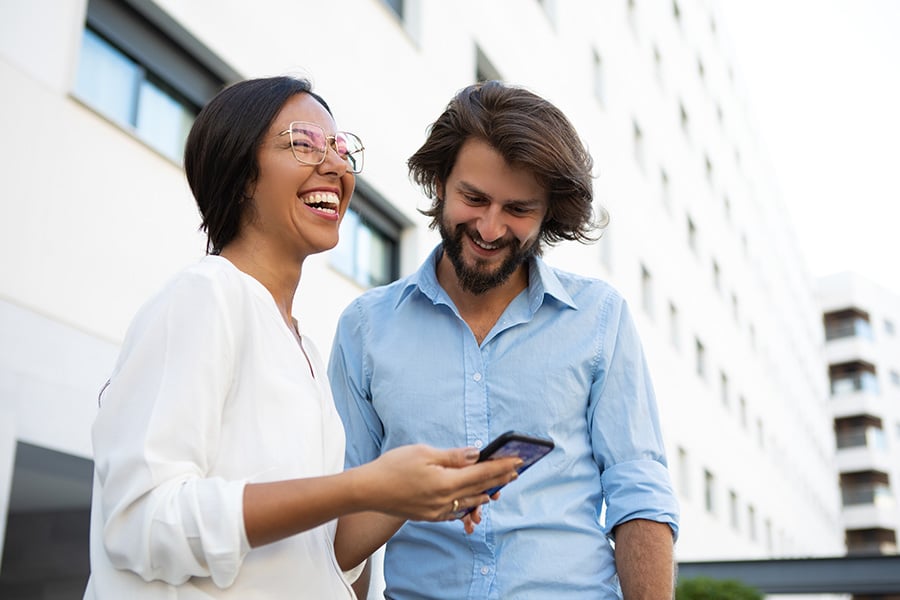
692, 235
396, 7
862, 431
878, 540
701, 70
848, 322
47, 523
735, 311
726, 205
139, 77
723, 388
701, 358
709, 167
665, 192
684, 473
647, 291
889, 327
599, 79
895, 378
866, 487
760, 433
852, 377
685, 121
716, 276
751, 522
632, 17
484, 68
676, 12
769, 541
369, 247
709, 492
742, 404
733, 509
657, 64
674, 328
638, 144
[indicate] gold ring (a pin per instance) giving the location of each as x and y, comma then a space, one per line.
455, 506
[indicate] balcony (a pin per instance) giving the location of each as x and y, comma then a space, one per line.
863, 458
856, 402
869, 516
843, 350
871, 540
847, 323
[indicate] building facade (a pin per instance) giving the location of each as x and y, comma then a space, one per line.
97, 216
863, 351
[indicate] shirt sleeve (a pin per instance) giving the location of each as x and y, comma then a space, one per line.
155, 437
625, 431
350, 388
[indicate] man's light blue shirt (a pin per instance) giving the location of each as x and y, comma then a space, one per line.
563, 361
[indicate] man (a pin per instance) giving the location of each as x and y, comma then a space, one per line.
484, 338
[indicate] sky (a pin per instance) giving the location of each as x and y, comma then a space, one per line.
823, 86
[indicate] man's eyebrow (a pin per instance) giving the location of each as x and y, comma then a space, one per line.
468, 188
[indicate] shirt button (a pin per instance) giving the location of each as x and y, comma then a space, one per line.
478, 443
477, 376
485, 570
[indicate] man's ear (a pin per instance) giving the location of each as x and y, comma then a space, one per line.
439, 189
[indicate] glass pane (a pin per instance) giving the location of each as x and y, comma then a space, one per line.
107, 79
162, 121
342, 255
380, 260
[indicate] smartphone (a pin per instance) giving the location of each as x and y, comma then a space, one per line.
512, 443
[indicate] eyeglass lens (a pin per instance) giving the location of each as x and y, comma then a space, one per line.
309, 143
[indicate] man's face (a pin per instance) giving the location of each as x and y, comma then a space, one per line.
491, 217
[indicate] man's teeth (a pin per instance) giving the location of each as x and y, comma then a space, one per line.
485, 245
324, 201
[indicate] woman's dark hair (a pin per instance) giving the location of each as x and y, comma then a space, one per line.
530, 133
220, 156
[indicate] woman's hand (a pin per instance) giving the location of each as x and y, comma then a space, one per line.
422, 483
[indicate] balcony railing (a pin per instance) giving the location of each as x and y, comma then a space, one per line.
844, 329
875, 493
855, 382
870, 437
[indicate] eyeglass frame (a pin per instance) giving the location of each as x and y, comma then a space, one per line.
330, 143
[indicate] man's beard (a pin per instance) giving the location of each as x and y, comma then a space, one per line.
478, 279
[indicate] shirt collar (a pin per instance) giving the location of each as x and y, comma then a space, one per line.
542, 281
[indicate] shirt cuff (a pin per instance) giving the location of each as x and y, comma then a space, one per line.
639, 489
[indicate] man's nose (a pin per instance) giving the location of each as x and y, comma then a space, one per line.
491, 225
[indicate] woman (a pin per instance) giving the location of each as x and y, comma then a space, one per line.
218, 451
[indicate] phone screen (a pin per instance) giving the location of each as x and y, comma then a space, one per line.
527, 447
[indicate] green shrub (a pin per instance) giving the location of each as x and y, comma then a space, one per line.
704, 588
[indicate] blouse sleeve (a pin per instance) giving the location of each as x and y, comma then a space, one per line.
155, 435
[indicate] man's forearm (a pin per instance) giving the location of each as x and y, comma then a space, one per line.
645, 560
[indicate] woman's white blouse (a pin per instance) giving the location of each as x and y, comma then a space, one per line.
211, 391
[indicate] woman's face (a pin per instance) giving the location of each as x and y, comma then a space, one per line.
296, 208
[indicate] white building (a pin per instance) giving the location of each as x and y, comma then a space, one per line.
97, 215
863, 350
